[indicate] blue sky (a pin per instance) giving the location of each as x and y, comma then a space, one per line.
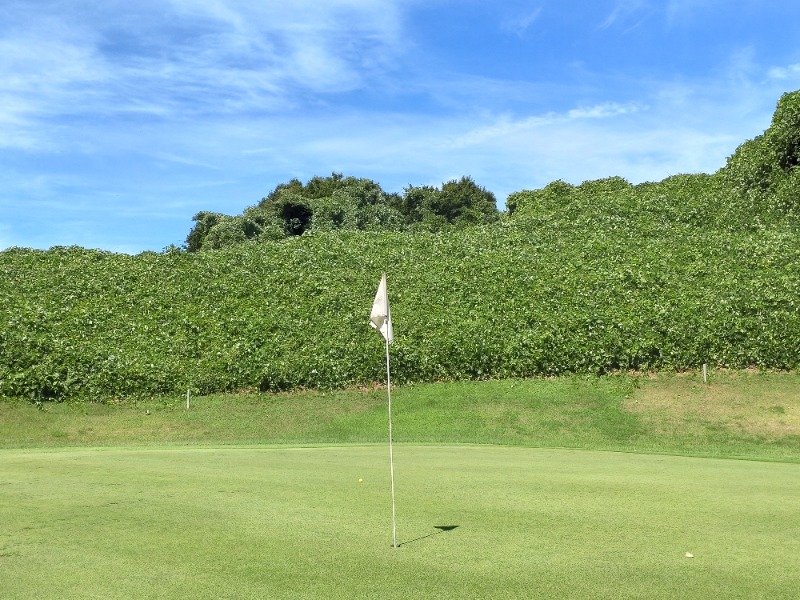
121, 120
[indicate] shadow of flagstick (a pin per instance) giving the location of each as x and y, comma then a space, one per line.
441, 528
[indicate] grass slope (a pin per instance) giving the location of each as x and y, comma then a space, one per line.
296, 523
744, 414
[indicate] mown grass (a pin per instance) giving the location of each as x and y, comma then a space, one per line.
743, 414
473, 522
224, 501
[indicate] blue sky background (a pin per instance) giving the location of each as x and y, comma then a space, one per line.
121, 120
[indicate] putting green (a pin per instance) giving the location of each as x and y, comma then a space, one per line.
473, 522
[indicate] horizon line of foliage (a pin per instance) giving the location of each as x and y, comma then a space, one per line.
594, 278
345, 203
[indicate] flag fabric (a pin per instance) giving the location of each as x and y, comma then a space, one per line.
381, 317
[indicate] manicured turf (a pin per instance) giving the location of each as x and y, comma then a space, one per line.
150, 500
473, 522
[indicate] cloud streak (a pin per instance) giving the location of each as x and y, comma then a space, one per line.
205, 58
521, 23
623, 12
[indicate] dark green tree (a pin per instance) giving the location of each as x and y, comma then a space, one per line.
463, 202
766, 169
295, 213
295, 186
339, 202
411, 204
204, 221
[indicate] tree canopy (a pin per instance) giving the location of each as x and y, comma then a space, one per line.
347, 203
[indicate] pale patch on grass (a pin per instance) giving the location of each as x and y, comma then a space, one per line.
765, 405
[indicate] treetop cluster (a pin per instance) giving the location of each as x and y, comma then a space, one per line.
346, 203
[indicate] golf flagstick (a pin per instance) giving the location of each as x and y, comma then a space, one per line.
381, 319
391, 457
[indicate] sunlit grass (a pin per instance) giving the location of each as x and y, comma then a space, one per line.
258, 496
473, 522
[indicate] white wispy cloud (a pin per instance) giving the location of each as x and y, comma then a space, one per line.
681, 11
44, 75
205, 57
520, 23
623, 12
786, 73
504, 126
602, 111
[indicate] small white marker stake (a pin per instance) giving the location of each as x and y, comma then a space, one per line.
187, 399
705, 373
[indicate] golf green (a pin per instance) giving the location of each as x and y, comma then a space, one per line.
472, 522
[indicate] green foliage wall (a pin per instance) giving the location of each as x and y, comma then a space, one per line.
530, 296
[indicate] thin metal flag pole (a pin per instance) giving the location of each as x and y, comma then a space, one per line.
391, 456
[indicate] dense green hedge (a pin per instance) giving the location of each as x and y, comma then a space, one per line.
513, 300
588, 278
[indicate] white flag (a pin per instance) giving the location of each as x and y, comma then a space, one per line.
381, 317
